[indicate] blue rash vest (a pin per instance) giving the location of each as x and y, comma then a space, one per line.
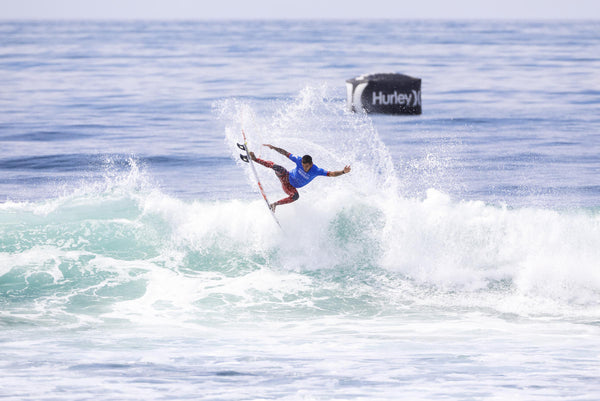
299, 177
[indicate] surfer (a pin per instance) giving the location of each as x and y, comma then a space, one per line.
304, 173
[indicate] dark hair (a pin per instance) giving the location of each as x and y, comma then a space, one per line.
306, 159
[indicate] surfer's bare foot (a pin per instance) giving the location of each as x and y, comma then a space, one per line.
252, 156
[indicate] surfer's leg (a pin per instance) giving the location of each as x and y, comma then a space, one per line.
292, 198
265, 163
281, 173
292, 192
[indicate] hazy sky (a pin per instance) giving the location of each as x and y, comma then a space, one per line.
202, 9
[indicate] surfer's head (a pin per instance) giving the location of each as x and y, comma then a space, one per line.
306, 162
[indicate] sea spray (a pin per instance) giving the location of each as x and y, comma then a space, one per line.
313, 123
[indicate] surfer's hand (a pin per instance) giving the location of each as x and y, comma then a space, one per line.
347, 169
252, 155
268, 145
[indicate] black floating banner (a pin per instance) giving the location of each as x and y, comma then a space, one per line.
385, 93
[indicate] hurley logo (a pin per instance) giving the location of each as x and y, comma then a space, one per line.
402, 99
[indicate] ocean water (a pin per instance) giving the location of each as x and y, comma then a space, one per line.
459, 260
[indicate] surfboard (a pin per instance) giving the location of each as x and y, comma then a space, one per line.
248, 160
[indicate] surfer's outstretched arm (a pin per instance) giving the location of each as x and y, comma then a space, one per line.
346, 170
278, 150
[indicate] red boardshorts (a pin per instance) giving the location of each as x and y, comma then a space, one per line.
284, 177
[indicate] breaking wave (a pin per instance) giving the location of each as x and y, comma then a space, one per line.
125, 251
